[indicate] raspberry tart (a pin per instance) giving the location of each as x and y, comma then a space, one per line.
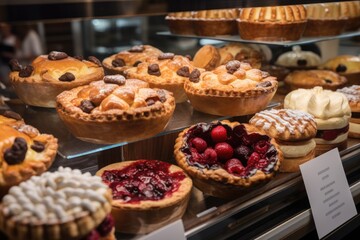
115, 110
352, 93
24, 151
38, 84
118, 63
167, 71
225, 158
293, 130
65, 204
147, 194
233, 89
331, 111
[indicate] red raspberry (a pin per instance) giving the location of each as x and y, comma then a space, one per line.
200, 144
196, 157
224, 151
106, 226
210, 156
262, 163
253, 159
261, 146
219, 134
234, 166
251, 138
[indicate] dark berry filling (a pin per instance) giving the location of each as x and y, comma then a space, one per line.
143, 180
216, 145
331, 134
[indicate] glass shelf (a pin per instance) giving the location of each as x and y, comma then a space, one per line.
236, 38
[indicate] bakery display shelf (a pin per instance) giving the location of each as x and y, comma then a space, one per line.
211, 218
47, 121
236, 38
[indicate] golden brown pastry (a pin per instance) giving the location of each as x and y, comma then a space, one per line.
352, 93
147, 194
240, 52
233, 89
279, 23
115, 110
215, 22
65, 204
207, 57
312, 78
38, 84
324, 19
181, 22
166, 71
293, 131
298, 59
24, 152
118, 63
225, 158
331, 112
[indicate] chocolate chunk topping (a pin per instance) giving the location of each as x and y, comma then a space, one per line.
301, 62
139, 48
153, 69
162, 95
13, 115
14, 65
26, 71
166, 56
188, 57
183, 71
327, 80
195, 76
16, 154
80, 58
86, 106
341, 68
67, 77
94, 60
264, 84
38, 146
136, 63
152, 100
55, 55
115, 79
232, 66
118, 62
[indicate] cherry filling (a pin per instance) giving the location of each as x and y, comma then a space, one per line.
331, 134
216, 145
143, 180
102, 230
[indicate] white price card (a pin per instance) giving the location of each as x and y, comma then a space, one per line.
328, 191
173, 231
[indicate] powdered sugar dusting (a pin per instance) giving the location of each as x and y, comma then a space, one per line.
352, 93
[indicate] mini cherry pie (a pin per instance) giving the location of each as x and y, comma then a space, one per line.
115, 110
147, 194
224, 158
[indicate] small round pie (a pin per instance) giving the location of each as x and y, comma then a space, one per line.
24, 152
293, 130
38, 84
225, 158
115, 110
147, 194
352, 93
65, 204
166, 71
234, 89
118, 63
311, 78
181, 22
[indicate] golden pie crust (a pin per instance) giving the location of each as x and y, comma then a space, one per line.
168, 78
130, 58
217, 181
207, 57
312, 78
43, 85
148, 215
181, 22
34, 163
120, 113
352, 93
243, 92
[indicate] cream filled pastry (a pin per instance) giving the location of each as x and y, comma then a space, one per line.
293, 130
352, 93
65, 204
331, 111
